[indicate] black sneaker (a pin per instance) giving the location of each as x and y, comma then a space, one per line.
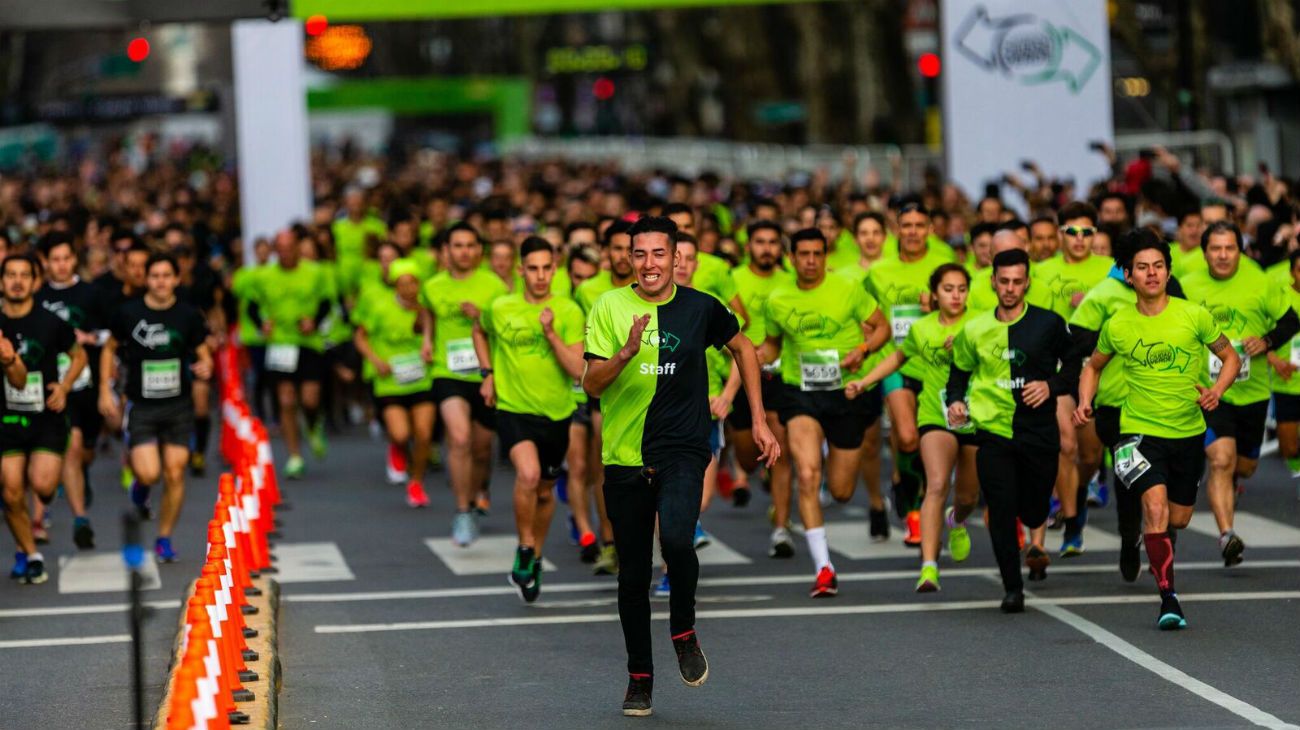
1013, 602
879, 525
636, 703
1171, 613
1037, 561
35, 572
740, 496
525, 574
1232, 551
690, 659
82, 535
1130, 560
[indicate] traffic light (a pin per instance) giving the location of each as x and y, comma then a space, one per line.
137, 50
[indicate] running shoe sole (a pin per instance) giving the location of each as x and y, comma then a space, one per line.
1232, 552
1171, 622
926, 586
1038, 566
781, 550
703, 677
628, 712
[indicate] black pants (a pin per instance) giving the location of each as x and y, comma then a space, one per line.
634, 496
1016, 481
1128, 502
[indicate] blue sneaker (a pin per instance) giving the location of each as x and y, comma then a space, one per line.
1054, 519
1103, 494
1171, 613
662, 589
562, 487
162, 547
574, 536
140, 498
464, 529
1072, 547
702, 538
20, 566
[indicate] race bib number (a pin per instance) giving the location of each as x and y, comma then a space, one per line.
964, 427
901, 319
407, 368
83, 379
1130, 464
819, 370
28, 399
282, 358
1216, 365
461, 357
161, 378
1295, 351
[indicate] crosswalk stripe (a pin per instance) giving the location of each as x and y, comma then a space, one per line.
102, 572
717, 553
1254, 530
488, 555
310, 562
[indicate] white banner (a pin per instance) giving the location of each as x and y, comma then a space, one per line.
1025, 80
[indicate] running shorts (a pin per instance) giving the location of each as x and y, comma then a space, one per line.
843, 421
550, 437
1245, 423
24, 433
444, 388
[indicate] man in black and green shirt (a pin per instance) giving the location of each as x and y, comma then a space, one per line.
1004, 378
645, 351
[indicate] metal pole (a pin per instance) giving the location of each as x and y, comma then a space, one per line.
133, 555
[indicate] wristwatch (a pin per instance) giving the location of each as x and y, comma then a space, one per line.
484, 372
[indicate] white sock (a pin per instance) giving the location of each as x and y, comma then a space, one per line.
930, 564
821, 554
36, 556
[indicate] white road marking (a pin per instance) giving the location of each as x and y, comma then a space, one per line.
310, 562
80, 610
733, 582
788, 611
102, 572
69, 641
716, 553
1165, 671
487, 556
1254, 530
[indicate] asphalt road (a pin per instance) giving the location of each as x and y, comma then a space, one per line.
384, 624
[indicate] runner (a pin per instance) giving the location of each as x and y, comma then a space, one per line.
1044, 238
755, 282
535, 353
160, 342
1286, 386
453, 300
1161, 343
81, 305
822, 328
1256, 316
943, 448
714, 274
34, 431
645, 358
1004, 366
388, 336
1188, 255
292, 299
201, 289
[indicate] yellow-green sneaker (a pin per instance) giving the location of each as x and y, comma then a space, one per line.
929, 580
316, 439
294, 467
958, 538
607, 562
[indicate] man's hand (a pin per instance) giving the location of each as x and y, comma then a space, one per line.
633, 345
1209, 399
426, 352
1082, 414
547, 318
1254, 346
58, 397
1076, 298
957, 414
768, 448
853, 360
108, 408
1035, 393
469, 310
489, 391
202, 369
306, 325
719, 407
855, 388
267, 326
382, 368
85, 338
1284, 368
7, 353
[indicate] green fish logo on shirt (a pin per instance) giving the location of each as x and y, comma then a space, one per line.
1161, 356
901, 294
662, 339
811, 324
31, 351
936, 354
523, 338
1224, 316
1017, 358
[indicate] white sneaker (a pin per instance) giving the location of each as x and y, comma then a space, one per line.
782, 546
394, 476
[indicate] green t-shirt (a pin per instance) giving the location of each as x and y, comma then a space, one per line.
844, 253
927, 346
1280, 273
982, 298
336, 328
898, 286
560, 284
528, 376
287, 296
754, 291
350, 245
1064, 280
390, 329
657, 409
1247, 304
1186, 262
591, 289
1103, 300
371, 290
1163, 358
1289, 352
453, 341
818, 327
714, 277
243, 285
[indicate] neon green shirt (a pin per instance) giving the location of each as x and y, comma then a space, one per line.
287, 296
591, 289
1186, 262
243, 284
1163, 358
528, 376
350, 245
390, 329
818, 327
928, 345
1064, 280
1289, 352
1247, 304
898, 286
714, 277
453, 343
754, 291
983, 299
1107, 297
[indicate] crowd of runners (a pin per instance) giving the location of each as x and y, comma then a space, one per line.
643, 346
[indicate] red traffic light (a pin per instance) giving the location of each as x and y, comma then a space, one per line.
602, 89
929, 65
137, 50
315, 25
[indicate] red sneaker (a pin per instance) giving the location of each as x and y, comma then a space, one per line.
913, 536
826, 585
396, 467
415, 495
725, 483
1020, 533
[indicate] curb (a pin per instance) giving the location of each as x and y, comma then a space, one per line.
264, 710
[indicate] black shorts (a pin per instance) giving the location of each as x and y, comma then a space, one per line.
773, 389
169, 424
843, 421
1107, 425
912, 384
444, 388
963, 439
1175, 463
408, 401
550, 437
1243, 423
345, 354
582, 415
1286, 408
311, 368
83, 414
24, 433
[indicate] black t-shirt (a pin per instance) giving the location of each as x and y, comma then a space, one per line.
38, 339
157, 347
84, 307
201, 292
